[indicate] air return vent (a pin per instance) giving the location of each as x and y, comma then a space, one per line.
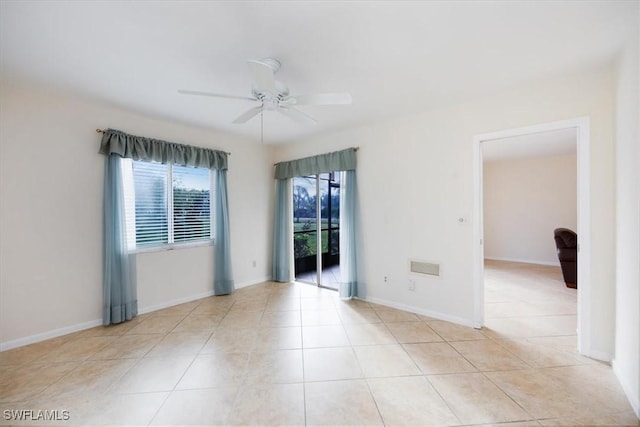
422, 267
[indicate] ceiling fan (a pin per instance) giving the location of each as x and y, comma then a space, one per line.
273, 95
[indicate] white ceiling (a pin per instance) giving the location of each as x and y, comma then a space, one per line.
394, 57
551, 143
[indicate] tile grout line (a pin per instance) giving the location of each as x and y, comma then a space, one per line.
510, 397
272, 292
170, 392
304, 382
443, 399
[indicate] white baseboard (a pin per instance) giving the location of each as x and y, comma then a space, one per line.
422, 311
253, 282
598, 355
31, 339
167, 304
632, 395
525, 261
190, 298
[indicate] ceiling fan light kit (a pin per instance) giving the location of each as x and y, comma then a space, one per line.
274, 95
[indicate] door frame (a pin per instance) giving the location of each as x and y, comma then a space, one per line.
320, 264
582, 126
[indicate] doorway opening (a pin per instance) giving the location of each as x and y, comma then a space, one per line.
580, 127
316, 229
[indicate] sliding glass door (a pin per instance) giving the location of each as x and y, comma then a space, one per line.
316, 217
330, 223
305, 228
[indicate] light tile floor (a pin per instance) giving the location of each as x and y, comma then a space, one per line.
330, 277
294, 354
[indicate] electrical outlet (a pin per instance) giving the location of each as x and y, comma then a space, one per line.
386, 279
253, 264
412, 285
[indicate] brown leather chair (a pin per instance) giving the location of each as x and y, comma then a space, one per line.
567, 246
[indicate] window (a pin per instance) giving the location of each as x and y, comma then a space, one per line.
166, 204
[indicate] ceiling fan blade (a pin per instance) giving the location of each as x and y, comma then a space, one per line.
263, 75
297, 115
248, 115
214, 95
321, 99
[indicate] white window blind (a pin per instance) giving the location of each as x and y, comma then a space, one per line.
150, 183
129, 202
170, 204
191, 204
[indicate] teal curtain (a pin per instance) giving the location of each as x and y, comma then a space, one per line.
348, 268
282, 233
330, 162
344, 160
149, 149
223, 274
120, 302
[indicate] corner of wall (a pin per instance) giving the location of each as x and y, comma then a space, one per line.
629, 390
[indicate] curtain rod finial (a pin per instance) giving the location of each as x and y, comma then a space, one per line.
99, 131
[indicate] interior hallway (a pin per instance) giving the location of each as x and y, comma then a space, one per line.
528, 301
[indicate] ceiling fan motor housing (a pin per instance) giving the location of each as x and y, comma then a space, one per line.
273, 63
280, 95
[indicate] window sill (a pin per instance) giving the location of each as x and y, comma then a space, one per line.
172, 246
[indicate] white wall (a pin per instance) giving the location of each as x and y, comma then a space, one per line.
51, 178
415, 177
524, 201
627, 350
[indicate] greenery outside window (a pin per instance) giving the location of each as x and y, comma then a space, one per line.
305, 221
167, 205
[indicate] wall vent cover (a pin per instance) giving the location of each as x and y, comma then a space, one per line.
422, 267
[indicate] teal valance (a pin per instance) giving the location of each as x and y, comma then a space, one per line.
149, 149
336, 161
